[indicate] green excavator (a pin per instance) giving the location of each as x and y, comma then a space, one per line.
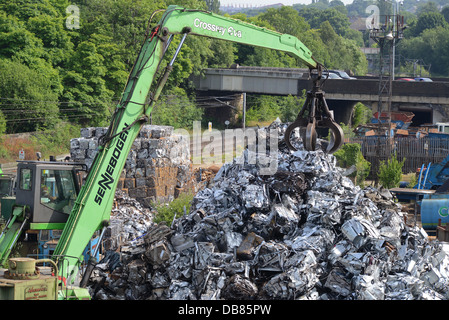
86, 210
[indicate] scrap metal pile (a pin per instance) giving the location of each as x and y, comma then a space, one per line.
306, 232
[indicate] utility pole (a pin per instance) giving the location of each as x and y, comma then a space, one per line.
386, 34
390, 31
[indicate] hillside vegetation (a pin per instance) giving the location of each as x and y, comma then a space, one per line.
65, 65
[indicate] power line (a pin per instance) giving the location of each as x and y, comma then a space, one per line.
56, 102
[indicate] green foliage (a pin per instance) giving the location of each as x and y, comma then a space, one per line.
426, 40
80, 73
429, 20
431, 46
2, 125
347, 155
57, 140
262, 108
28, 100
351, 155
362, 167
290, 107
168, 211
224, 54
361, 114
285, 20
213, 5
347, 130
390, 172
176, 110
343, 53
426, 7
315, 17
268, 108
413, 180
414, 68
445, 13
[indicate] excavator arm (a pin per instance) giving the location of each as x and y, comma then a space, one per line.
94, 202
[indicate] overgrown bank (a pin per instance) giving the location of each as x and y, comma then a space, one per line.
48, 142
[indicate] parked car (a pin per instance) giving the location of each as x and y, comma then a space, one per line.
330, 75
423, 79
341, 74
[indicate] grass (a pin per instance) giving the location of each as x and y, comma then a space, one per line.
10, 147
411, 178
175, 209
49, 142
261, 124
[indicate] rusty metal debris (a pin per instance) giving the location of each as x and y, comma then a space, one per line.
306, 232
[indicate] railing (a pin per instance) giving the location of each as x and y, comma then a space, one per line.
415, 151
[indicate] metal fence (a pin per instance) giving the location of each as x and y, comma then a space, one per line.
415, 151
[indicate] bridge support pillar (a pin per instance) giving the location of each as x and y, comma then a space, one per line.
342, 110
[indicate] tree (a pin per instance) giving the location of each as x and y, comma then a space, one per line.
285, 20
25, 9
427, 7
2, 124
339, 6
290, 106
28, 101
315, 17
116, 73
262, 108
357, 7
176, 109
361, 114
56, 42
445, 13
390, 172
16, 42
213, 5
124, 21
343, 53
224, 54
85, 90
351, 155
429, 20
430, 47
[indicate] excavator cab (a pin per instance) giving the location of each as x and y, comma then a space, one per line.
48, 189
7, 184
44, 197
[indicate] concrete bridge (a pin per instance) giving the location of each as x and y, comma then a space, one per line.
429, 101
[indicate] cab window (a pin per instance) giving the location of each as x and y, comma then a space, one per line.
58, 190
26, 179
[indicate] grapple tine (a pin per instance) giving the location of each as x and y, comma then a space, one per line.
310, 137
318, 115
337, 135
298, 123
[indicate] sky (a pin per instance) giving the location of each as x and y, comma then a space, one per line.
256, 3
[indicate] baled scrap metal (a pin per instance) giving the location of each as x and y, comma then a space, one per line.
318, 237
157, 168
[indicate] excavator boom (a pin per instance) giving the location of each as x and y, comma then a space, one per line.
180, 21
94, 202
